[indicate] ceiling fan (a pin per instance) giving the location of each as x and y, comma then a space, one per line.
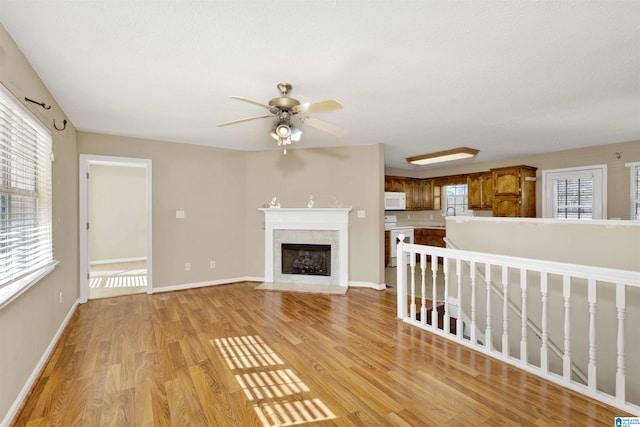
286, 109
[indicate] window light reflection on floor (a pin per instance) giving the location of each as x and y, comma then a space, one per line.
279, 395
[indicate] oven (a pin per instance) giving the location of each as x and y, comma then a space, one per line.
394, 234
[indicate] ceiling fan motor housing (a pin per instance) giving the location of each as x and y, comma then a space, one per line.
284, 103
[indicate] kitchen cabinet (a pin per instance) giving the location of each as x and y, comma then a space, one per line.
514, 191
387, 248
480, 189
419, 192
430, 237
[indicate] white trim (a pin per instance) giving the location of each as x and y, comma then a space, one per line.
368, 285
86, 160
13, 290
632, 194
599, 174
187, 286
607, 222
117, 260
26, 388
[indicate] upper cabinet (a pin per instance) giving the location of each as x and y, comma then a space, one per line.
419, 192
481, 190
515, 191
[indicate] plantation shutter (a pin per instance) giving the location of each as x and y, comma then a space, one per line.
573, 198
25, 191
635, 190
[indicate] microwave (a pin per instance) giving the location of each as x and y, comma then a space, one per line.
395, 201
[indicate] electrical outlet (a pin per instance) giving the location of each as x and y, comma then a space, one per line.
60, 297
212, 264
180, 214
187, 266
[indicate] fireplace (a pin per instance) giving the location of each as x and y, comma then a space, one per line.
310, 236
308, 259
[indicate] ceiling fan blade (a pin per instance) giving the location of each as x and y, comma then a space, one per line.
233, 122
322, 125
251, 101
318, 107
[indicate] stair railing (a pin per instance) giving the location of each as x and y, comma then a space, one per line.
500, 292
569, 281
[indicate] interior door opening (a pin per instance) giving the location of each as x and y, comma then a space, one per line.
115, 230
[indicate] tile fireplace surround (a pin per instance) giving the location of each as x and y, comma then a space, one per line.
328, 226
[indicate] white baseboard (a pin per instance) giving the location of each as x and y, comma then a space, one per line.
117, 260
370, 285
13, 410
185, 286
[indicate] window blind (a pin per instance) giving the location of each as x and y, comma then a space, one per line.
26, 243
635, 192
573, 198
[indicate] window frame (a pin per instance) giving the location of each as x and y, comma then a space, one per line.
25, 277
634, 189
466, 210
599, 175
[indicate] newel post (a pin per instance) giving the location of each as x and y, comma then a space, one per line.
401, 279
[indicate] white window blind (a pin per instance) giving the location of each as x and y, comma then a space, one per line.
573, 198
25, 192
635, 190
575, 193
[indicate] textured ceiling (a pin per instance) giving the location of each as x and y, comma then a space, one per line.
509, 78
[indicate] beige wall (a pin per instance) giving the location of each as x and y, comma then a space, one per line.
208, 184
618, 179
117, 213
28, 324
336, 177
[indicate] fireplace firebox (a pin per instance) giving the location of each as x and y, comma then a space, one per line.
307, 259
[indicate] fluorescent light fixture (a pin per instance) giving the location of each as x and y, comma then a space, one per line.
443, 156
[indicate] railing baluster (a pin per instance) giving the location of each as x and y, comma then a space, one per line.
591, 370
488, 330
472, 273
460, 323
544, 348
423, 307
566, 358
620, 372
412, 262
524, 352
401, 281
434, 274
505, 311
447, 317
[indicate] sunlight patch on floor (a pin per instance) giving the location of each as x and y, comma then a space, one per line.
278, 393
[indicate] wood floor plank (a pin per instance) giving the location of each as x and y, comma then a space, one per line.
233, 356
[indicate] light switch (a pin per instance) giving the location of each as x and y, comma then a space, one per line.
180, 214
361, 214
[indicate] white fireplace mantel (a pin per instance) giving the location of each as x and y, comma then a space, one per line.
336, 219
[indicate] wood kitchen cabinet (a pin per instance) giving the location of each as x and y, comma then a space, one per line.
419, 192
514, 191
481, 190
430, 237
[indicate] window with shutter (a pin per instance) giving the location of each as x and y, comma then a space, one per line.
25, 193
575, 193
635, 190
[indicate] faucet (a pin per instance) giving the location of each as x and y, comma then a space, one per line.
454, 210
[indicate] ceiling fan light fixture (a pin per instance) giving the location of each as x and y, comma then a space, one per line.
283, 131
296, 134
443, 156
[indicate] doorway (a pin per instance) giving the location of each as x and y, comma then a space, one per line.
115, 226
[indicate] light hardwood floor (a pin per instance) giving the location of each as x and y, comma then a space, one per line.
234, 356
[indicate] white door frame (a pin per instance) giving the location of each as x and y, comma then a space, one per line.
86, 160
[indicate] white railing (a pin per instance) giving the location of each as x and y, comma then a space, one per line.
592, 313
